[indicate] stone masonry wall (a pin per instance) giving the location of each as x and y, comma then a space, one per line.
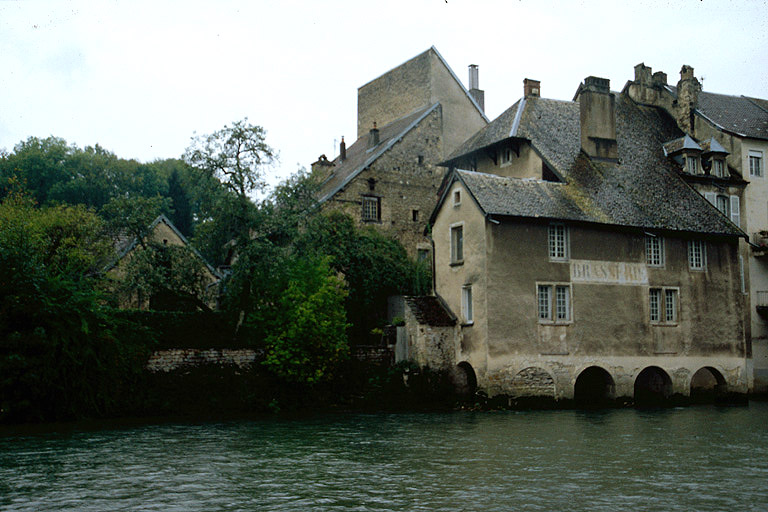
178, 358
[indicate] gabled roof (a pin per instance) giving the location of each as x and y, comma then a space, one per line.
359, 157
681, 144
450, 70
742, 116
126, 244
642, 190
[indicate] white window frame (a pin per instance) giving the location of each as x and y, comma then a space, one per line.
654, 250
697, 255
557, 242
457, 244
664, 305
554, 303
735, 210
723, 203
366, 202
466, 304
756, 163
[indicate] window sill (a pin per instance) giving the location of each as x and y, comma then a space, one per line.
371, 221
457, 263
559, 260
468, 324
551, 323
664, 324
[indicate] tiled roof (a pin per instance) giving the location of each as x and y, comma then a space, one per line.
643, 190
680, 144
429, 310
359, 156
743, 116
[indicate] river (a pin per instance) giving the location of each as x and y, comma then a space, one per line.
694, 458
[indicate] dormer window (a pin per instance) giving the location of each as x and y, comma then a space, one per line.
691, 164
505, 156
718, 167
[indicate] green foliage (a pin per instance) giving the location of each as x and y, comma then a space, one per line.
59, 352
132, 216
173, 277
373, 265
301, 310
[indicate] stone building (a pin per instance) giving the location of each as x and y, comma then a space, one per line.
409, 120
578, 261
722, 155
162, 232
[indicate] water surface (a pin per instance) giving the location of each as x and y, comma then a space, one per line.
696, 458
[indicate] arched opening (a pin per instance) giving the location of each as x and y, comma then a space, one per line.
594, 388
465, 380
708, 385
653, 387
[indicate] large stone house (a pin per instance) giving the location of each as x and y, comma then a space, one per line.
409, 120
722, 155
578, 261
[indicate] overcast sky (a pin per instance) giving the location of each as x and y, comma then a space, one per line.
140, 78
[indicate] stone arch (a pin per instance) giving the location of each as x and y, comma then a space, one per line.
464, 380
708, 385
653, 387
533, 382
594, 387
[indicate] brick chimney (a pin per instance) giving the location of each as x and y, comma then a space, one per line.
373, 137
474, 86
597, 112
687, 99
531, 88
342, 150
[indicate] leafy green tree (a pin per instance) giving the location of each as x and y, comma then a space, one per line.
302, 312
39, 164
131, 217
236, 156
181, 214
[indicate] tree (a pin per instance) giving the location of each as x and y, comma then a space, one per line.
235, 156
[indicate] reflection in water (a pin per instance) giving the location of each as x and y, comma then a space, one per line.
697, 458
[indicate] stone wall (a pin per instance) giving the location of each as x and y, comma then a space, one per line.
180, 358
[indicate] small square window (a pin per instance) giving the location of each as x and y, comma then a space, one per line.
456, 197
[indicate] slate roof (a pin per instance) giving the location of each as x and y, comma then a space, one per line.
747, 117
642, 190
429, 310
359, 157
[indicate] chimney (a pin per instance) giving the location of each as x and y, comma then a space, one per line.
531, 88
643, 74
597, 112
687, 99
373, 137
342, 150
474, 87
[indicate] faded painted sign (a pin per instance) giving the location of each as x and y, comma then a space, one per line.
608, 272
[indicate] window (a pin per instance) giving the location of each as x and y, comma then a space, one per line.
466, 304
505, 156
756, 163
560, 310
558, 242
457, 244
415, 215
663, 305
718, 168
457, 198
697, 255
654, 251
371, 209
421, 159
722, 204
692, 164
